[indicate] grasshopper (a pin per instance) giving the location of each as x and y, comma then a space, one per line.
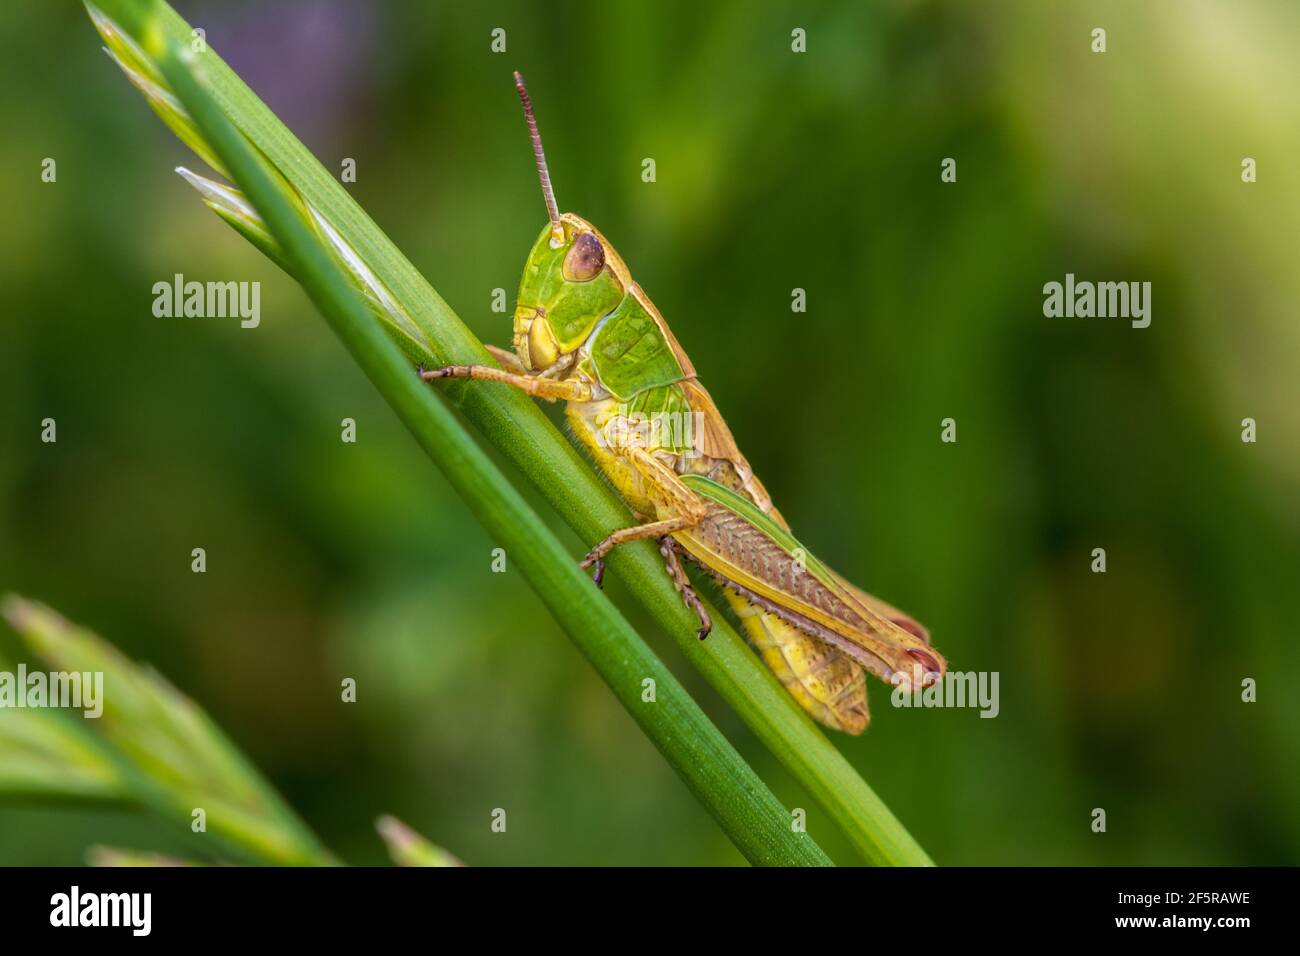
585, 333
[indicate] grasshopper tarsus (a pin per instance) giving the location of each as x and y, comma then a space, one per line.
429, 374
595, 559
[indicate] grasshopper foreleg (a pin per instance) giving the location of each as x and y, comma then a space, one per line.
668, 548
511, 363
569, 390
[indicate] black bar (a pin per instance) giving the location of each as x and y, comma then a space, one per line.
438, 906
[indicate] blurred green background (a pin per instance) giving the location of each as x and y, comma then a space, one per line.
774, 171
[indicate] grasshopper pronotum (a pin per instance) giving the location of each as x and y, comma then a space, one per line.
585, 333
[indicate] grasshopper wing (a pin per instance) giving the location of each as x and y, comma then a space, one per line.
887, 611
750, 553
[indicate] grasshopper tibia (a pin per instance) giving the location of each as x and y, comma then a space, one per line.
683, 585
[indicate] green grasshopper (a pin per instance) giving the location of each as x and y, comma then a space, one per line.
585, 333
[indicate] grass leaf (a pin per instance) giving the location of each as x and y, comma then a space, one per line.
408, 848
150, 745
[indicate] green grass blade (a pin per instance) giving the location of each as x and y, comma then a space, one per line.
408, 848
149, 746
744, 807
513, 424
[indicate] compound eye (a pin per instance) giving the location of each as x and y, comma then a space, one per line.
585, 259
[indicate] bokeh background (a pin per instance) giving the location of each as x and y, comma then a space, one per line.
774, 170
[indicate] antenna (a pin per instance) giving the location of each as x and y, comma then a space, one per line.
552, 210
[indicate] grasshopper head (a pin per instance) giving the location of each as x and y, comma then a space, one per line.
565, 290
573, 275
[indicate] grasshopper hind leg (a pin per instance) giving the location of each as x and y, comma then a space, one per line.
668, 548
